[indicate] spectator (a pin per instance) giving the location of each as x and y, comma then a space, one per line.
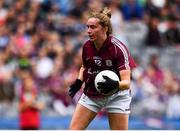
154, 72
3, 13
29, 106
153, 37
132, 10
174, 111
172, 35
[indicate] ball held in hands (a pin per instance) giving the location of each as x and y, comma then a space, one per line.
107, 82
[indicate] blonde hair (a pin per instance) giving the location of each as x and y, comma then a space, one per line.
104, 16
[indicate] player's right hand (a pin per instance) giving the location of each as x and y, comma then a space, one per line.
75, 87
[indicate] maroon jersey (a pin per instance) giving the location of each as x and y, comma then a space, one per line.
113, 55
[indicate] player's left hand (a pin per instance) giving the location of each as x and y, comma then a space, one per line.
108, 85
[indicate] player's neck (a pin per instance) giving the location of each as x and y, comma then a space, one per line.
99, 43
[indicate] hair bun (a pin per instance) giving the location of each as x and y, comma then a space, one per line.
106, 11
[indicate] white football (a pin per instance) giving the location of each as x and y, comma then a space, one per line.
99, 78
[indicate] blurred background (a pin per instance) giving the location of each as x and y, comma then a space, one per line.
42, 40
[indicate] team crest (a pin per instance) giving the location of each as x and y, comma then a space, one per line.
108, 63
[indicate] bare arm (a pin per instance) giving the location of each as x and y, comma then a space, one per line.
125, 79
80, 76
24, 105
31, 104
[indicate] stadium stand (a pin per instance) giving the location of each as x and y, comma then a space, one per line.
44, 37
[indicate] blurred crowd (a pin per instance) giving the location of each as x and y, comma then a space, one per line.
42, 40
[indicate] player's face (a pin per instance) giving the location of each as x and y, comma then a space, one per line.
95, 31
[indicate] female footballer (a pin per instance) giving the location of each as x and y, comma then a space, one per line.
103, 52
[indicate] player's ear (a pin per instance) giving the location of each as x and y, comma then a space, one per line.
106, 29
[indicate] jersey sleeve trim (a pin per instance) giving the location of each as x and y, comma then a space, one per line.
124, 51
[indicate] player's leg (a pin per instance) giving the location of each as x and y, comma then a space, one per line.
118, 121
118, 108
81, 118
